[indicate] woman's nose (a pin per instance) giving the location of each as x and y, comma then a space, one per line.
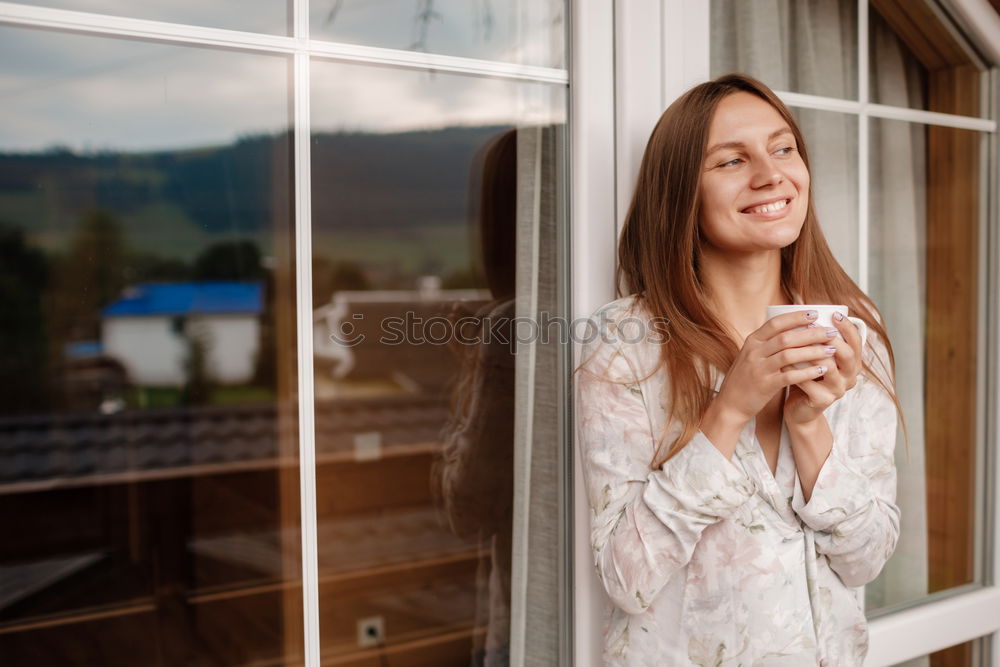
765, 173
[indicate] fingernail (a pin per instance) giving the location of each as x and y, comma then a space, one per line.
831, 350
838, 316
820, 370
811, 325
830, 333
812, 314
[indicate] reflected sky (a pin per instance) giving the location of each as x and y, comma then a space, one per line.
94, 94
366, 98
268, 16
529, 32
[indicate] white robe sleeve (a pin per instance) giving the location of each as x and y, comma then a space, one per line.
852, 508
645, 523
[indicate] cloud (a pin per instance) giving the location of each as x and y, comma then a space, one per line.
268, 16
100, 93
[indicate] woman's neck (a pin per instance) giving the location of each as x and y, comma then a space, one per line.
741, 287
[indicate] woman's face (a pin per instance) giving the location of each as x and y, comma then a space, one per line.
755, 186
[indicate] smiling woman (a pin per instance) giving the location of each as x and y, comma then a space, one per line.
740, 478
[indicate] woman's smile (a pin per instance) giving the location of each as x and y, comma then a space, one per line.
770, 210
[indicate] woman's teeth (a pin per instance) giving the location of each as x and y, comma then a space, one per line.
768, 208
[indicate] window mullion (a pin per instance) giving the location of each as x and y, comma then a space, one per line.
304, 312
863, 127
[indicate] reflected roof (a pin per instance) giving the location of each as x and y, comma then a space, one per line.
188, 298
73, 449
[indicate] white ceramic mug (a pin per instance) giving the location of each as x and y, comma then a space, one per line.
825, 318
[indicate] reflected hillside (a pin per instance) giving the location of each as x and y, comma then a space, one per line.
373, 189
389, 211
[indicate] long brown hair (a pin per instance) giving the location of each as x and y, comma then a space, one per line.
660, 250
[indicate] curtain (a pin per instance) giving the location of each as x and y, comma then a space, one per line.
809, 48
897, 282
538, 527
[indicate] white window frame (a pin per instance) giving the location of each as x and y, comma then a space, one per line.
302, 50
660, 49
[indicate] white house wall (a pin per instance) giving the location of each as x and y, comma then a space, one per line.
233, 345
153, 355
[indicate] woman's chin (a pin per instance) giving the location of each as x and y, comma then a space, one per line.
777, 238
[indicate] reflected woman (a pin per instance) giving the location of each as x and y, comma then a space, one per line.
739, 469
476, 472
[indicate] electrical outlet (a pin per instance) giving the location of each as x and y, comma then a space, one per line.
371, 631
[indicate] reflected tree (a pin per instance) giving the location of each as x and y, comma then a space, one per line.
229, 260
24, 362
91, 275
198, 387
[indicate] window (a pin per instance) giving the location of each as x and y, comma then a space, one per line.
896, 106
907, 225
251, 412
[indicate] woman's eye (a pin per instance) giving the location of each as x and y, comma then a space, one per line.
786, 150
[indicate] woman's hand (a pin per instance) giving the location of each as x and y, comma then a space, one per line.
765, 366
766, 363
807, 400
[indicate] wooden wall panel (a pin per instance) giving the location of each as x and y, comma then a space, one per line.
952, 325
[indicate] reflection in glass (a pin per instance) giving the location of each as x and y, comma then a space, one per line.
429, 189
832, 139
923, 250
267, 16
526, 32
147, 449
800, 47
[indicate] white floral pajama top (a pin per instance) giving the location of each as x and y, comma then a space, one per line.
719, 563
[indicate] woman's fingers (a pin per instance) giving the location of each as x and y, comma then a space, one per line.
818, 354
781, 323
848, 355
849, 331
800, 337
792, 375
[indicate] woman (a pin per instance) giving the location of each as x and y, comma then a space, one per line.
476, 470
739, 471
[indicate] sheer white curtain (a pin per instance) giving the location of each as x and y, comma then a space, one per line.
897, 282
808, 48
536, 572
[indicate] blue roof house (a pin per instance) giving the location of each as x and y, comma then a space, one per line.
151, 330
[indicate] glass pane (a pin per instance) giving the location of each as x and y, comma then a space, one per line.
800, 47
526, 32
832, 140
266, 16
917, 61
961, 655
436, 220
148, 476
923, 257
